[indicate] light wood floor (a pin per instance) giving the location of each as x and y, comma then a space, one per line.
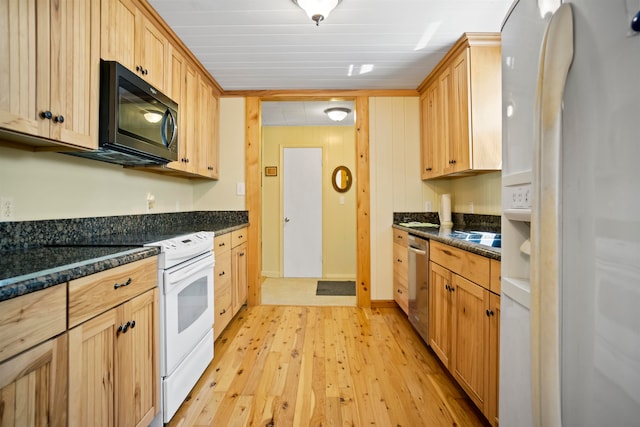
324, 366
299, 291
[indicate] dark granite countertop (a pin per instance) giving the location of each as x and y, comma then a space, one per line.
444, 235
29, 270
35, 255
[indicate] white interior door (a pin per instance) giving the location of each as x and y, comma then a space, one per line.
302, 222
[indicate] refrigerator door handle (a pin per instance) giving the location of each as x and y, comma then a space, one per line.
556, 55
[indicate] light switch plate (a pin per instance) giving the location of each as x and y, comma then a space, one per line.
240, 188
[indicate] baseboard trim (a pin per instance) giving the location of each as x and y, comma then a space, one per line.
383, 303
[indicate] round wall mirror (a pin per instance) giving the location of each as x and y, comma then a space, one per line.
341, 179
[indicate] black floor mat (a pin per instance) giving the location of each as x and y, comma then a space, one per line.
336, 287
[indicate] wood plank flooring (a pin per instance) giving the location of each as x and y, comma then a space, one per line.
324, 366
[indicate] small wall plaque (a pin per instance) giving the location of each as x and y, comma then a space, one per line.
270, 171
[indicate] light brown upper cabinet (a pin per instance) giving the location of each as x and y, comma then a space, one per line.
461, 109
130, 38
50, 84
209, 125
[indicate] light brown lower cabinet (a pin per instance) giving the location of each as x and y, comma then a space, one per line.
113, 366
229, 278
464, 328
239, 267
33, 386
401, 269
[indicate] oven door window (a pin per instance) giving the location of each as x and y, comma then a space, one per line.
192, 302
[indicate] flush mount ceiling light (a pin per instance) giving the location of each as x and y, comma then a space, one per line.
337, 114
317, 10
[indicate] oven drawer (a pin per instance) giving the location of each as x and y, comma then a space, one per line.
94, 294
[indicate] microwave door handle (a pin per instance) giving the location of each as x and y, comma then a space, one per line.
174, 125
163, 128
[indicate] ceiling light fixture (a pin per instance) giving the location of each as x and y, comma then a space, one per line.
317, 10
337, 114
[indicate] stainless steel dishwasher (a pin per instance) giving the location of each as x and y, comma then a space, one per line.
419, 285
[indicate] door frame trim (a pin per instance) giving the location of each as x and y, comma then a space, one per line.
253, 177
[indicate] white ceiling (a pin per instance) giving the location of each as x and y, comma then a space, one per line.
363, 44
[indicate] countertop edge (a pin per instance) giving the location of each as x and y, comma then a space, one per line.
475, 248
227, 230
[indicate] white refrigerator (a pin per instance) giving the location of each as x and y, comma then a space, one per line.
570, 307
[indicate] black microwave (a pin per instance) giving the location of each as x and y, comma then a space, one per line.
138, 125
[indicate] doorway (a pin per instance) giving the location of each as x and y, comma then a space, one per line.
255, 180
302, 206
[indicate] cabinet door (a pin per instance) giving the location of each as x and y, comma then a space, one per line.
189, 112
138, 373
442, 154
75, 53
33, 386
118, 22
430, 126
459, 143
23, 75
240, 275
92, 371
470, 350
152, 53
440, 312
494, 359
210, 132
205, 127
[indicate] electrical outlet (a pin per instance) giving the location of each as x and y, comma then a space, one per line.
6, 208
427, 206
471, 207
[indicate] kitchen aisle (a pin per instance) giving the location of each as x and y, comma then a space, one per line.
303, 366
299, 291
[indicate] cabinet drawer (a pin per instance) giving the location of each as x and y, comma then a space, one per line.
400, 237
222, 270
401, 296
31, 319
466, 264
400, 263
222, 306
94, 294
238, 237
222, 243
494, 285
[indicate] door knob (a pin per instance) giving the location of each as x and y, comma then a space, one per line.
286, 219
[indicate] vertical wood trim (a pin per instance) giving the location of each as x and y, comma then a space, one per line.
363, 204
253, 199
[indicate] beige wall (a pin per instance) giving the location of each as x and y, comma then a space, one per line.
222, 194
52, 185
339, 232
396, 185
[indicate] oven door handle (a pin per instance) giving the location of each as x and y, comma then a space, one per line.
180, 274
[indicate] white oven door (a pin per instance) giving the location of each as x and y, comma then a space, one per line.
188, 309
